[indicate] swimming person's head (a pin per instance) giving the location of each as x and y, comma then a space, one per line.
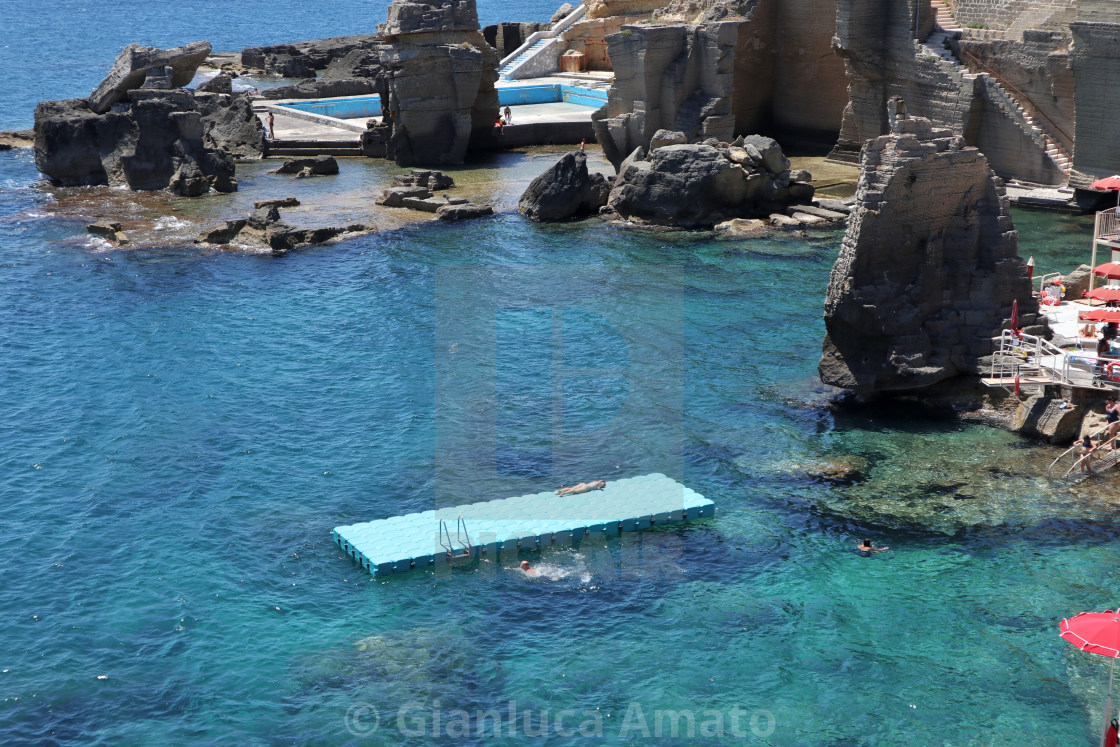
524, 565
866, 542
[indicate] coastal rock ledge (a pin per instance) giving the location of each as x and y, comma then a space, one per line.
928, 269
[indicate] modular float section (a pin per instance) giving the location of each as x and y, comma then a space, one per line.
527, 522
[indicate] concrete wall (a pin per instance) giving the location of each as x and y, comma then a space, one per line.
1096, 66
1015, 15
810, 86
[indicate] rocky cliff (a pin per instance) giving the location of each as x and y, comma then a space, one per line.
928, 269
155, 142
141, 130
437, 81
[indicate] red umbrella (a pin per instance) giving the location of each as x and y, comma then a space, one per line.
1100, 315
1105, 293
1015, 315
1110, 270
1108, 183
1097, 633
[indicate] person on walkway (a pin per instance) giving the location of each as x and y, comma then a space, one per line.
582, 144
271, 126
583, 487
508, 113
1112, 417
1085, 451
866, 549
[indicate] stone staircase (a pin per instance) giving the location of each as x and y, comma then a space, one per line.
312, 148
937, 44
506, 69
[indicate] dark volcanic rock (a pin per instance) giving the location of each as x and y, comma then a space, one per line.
565, 191
302, 59
322, 89
132, 66
928, 269
696, 186
220, 83
229, 124
156, 143
319, 165
110, 231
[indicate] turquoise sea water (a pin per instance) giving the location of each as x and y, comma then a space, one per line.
180, 430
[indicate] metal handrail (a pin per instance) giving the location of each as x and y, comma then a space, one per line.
1004, 82
1089, 456
460, 532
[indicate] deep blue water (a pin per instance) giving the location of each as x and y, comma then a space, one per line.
179, 431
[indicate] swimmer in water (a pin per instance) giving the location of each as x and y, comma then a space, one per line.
866, 549
528, 569
583, 487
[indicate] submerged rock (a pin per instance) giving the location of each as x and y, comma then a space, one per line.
928, 268
319, 166
430, 180
264, 227
109, 231
463, 212
566, 190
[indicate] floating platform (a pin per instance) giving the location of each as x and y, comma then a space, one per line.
527, 522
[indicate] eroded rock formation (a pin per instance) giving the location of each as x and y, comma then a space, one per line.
302, 59
438, 81
156, 143
133, 65
928, 269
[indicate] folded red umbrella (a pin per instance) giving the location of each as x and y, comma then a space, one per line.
1105, 293
1100, 315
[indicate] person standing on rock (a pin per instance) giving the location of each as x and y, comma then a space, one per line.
271, 126
1112, 416
501, 128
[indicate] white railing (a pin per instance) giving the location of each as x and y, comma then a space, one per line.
1108, 223
557, 28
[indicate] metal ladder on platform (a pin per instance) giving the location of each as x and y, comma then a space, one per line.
461, 538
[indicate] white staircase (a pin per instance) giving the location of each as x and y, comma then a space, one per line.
937, 44
538, 43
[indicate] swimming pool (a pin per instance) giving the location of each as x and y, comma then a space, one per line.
358, 107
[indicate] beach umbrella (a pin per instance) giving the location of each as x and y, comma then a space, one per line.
1097, 633
1030, 267
1100, 315
1015, 315
1110, 270
1108, 184
1105, 293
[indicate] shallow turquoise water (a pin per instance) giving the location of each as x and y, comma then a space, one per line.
180, 431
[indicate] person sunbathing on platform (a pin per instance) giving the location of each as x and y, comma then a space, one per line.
583, 487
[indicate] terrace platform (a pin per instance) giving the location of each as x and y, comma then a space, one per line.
493, 529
